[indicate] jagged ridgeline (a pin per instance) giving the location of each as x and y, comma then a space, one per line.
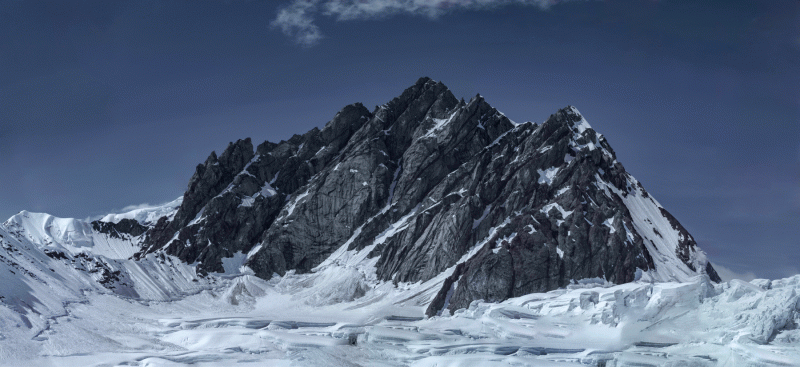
427, 185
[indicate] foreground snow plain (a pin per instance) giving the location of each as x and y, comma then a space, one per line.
297, 321
56, 312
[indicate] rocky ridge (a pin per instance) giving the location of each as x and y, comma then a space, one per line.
428, 184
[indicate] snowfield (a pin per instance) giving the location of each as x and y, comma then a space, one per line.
247, 321
71, 296
163, 314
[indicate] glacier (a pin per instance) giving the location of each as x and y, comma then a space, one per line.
55, 312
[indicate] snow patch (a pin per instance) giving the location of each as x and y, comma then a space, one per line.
393, 185
610, 224
546, 177
293, 204
581, 125
547, 208
233, 265
439, 125
477, 222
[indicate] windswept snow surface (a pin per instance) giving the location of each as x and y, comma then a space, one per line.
147, 214
72, 297
68, 234
341, 315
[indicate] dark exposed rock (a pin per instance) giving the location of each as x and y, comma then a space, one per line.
442, 299
232, 200
393, 161
108, 274
559, 229
207, 182
124, 227
428, 183
712, 274
58, 255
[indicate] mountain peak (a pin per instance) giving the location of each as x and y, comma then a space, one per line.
571, 115
570, 118
424, 80
428, 206
429, 185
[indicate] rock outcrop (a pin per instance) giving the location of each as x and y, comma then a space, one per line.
116, 230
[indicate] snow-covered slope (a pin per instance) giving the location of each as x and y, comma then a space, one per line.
331, 318
77, 236
147, 214
49, 263
74, 236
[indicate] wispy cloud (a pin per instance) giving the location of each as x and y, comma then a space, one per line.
126, 209
728, 274
296, 19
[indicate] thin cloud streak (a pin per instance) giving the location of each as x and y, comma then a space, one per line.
727, 274
296, 19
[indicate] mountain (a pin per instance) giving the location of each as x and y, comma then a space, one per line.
431, 231
69, 256
427, 184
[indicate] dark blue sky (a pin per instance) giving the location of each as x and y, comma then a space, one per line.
104, 104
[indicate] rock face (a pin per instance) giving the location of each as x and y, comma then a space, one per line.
125, 226
431, 186
233, 199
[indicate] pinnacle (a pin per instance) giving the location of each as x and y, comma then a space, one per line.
423, 80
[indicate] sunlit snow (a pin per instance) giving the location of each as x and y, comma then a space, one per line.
341, 315
546, 176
